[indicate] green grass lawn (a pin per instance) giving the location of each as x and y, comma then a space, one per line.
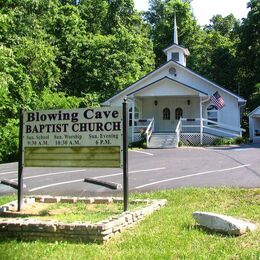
169, 233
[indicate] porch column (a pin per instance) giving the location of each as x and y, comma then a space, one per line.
201, 123
133, 119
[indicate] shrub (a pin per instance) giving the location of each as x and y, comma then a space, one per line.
138, 144
180, 143
224, 141
241, 140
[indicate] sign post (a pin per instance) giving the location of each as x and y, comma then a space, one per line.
20, 162
125, 153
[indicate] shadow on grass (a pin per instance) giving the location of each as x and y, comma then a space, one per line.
33, 241
17, 215
206, 230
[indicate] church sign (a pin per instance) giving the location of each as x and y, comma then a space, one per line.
86, 137
73, 127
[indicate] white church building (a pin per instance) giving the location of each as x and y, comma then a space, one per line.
254, 125
173, 103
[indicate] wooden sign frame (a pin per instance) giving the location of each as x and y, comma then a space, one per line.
73, 156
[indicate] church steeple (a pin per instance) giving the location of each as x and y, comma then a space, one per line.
175, 32
176, 52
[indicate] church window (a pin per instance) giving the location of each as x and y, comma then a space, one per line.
137, 115
166, 114
178, 113
212, 114
175, 56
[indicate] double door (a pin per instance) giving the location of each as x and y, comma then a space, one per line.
165, 117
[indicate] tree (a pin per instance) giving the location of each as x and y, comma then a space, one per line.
38, 59
215, 57
248, 55
110, 63
15, 90
227, 26
160, 16
94, 13
66, 53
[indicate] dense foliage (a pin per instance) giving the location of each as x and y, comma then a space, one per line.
75, 53
62, 54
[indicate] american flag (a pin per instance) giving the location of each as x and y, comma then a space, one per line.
217, 100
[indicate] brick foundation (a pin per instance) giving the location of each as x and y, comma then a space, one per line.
100, 232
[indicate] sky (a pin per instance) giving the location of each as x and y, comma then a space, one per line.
205, 9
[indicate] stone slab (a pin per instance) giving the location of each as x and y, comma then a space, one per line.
223, 223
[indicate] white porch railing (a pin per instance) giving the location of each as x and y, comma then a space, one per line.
190, 123
223, 128
139, 129
194, 124
143, 128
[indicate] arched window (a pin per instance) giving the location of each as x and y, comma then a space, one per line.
137, 115
166, 114
212, 114
178, 113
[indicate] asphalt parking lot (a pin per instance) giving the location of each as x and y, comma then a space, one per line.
149, 170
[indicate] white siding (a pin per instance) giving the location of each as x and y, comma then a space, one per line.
230, 114
254, 124
166, 87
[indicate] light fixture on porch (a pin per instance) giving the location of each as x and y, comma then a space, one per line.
155, 102
188, 102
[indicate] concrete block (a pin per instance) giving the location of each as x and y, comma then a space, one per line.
102, 200
52, 200
29, 200
223, 223
68, 200
86, 200
118, 200
16, 227
4, 209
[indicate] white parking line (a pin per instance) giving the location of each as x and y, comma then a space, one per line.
115, 174
98, 177
48, 174
137, 151
191, 175
57, 173
55, 184
5, 173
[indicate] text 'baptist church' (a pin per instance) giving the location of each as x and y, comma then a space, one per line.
89, 126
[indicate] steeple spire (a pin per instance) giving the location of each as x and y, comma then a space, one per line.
176, 52
175, 34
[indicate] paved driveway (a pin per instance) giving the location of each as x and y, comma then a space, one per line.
149, 170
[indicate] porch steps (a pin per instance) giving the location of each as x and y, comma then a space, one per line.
163, 140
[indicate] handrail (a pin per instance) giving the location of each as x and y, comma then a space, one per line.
149, 131
237, 129
221, 131
214, 126
178, 127
178, 130
228, 127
